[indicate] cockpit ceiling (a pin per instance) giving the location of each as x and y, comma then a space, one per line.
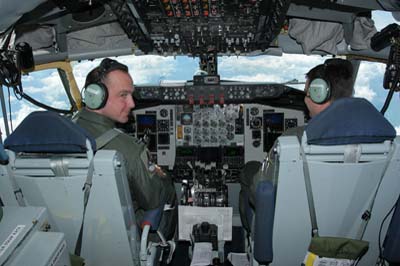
85, 29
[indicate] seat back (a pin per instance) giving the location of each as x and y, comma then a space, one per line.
342, 191
54, 179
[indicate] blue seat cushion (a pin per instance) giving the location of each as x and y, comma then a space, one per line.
48, 132
349, 121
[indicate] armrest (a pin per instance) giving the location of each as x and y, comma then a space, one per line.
264, 222
3, 155
391, 244
245, 210
152, 218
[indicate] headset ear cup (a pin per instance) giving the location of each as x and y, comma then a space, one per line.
95, 96
319, 90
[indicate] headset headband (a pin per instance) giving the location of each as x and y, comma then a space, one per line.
107, 65
96, 92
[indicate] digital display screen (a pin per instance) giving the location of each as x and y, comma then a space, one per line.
163, 138
233, 151
185, 151
186, 119
273, 122
209, 154
146, 121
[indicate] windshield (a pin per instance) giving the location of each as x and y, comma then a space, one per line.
46, 86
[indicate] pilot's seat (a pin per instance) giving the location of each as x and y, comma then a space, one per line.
352, 155
54, 166
257, 212
246, 209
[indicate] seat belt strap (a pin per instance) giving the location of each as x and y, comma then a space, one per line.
86, 192
16, 189
106, 137
101, 141
310, 198
367, 213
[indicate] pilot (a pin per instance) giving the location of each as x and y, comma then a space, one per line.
329, 90
339, 73
108, 100
332, 80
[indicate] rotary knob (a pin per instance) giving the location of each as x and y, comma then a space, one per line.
163, 112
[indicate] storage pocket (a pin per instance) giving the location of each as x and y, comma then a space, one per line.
337, 251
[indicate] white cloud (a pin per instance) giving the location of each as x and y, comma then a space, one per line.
145, 69
61, 105
81, 69
398, 130
49, 87
12, 99
366, 74
269, 68
382, 19
142, 68
257, 78
365, 92
27, 78
25, 110
45, 87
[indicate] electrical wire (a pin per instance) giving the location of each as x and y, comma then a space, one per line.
381, 260
44, 106
389, 97
9, 108
10, 76
394, 54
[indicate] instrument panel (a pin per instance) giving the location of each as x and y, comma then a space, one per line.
182, 137
204, 91
209, 126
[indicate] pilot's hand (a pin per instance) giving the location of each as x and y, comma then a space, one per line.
159, 171
154, 168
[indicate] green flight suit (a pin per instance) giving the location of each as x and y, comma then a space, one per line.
148, 190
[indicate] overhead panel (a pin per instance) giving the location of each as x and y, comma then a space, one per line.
202, 26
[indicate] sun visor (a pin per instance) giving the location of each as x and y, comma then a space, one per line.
101, 41
316, 35
39, 37
364, 29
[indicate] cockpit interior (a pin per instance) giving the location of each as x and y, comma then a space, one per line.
66, 201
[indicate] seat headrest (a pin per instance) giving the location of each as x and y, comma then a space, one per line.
349, 121
48, 132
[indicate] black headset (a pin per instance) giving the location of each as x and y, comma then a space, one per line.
95, 93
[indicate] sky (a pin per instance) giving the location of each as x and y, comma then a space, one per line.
46, 85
